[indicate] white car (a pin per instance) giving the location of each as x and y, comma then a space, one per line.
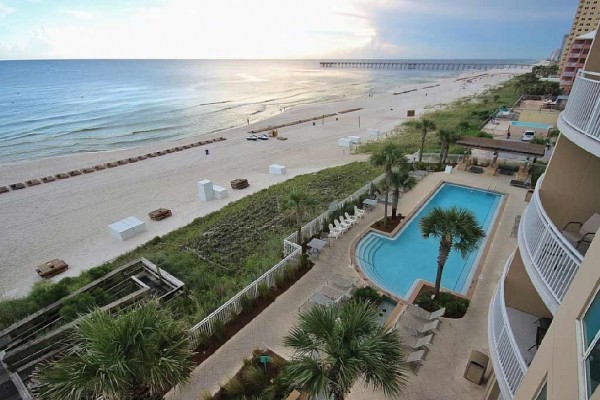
528, 136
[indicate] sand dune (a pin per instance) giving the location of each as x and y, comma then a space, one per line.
68, 218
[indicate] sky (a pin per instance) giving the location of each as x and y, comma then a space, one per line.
278, 29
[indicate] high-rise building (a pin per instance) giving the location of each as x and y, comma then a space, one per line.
576, 60
586, 19
544, 317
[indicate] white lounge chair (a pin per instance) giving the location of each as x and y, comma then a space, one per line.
352, 219
336, 230
415, 360
417, 343
358, 212
346, 221
334, 233
424, 314
424, 328
338, 225
586, 231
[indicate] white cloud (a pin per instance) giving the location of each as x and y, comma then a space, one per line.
79, 14
5, 10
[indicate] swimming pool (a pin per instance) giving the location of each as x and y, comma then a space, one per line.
397, 264
533, 125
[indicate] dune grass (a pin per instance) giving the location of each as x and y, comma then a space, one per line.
219, 254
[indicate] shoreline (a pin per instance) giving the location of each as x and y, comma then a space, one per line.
68, 219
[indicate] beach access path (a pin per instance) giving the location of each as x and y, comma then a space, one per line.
68, 219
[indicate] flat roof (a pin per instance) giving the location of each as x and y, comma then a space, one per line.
506, 146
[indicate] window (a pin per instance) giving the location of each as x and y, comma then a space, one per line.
591, 345
543, 394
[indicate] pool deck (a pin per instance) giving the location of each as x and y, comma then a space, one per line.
440, 377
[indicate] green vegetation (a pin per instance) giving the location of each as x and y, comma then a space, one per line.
83, 303
457, 229
219, 254
366, 293
530, 84
463, 116
545, 70
301, 203
389, 156
456, 307
135, 354
335, 346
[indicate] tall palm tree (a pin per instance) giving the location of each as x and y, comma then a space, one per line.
400, 180
388, 156
129, 355
334, 346
301, 202
424, 125
447, 137
456, 229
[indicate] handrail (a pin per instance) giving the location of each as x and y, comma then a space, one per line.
582, 112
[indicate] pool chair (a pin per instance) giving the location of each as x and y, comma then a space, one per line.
358, 212
418, 343
334, 233
420, 329
586, 231
339, 225
342, 284
420, 313
352, 219
346, 221
336, 230
415, 359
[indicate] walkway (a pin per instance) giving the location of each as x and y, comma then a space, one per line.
441, 375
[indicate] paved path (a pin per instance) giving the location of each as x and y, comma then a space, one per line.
441, 375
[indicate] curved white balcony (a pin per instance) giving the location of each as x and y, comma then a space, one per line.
509, 364
550, 260
580, 121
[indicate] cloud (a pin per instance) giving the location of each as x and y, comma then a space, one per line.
79, 14
5, 10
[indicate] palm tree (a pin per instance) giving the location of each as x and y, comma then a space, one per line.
496, 98
301, 202
447, 137
334, 346
400, 180
456, 229
425, 125
137, 354
388, 156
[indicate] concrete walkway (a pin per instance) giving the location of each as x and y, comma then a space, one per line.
441, 375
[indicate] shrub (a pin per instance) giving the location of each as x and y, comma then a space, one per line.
366, 293
264, 291
456, 307
218, 329
420, 165
305, 262
246, 303
45, 293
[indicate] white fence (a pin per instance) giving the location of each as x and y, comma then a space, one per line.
553, 257
292, 251
583, 108
509, 365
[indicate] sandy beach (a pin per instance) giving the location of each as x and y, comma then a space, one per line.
68, 218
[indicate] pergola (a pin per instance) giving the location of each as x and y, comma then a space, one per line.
504, 146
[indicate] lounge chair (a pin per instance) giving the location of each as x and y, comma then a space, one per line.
521, 184
336, 229
334, 233
331, 293
347, 221
586, 231
418, 343
340, 283
415, 360
420, 313
352, 219
358, 212
339, 225
424, 328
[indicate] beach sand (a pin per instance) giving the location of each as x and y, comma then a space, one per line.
68, 218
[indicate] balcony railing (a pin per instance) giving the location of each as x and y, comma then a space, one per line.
509, 365
549, 258
583, 108
569, 73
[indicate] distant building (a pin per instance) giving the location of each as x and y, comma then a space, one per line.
586, 20
578, 53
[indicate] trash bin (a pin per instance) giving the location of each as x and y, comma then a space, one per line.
476, 366
410, 113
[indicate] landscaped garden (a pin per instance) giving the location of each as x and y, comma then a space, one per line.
219, 254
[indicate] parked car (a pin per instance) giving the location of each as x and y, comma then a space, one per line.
528, 136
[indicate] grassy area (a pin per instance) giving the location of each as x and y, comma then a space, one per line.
219, 254
468, 112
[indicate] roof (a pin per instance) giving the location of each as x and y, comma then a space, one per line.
587, 36
507, 146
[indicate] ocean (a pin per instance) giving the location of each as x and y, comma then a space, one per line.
59, 107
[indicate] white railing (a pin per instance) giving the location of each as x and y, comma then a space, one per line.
292, 251
509, 364
583, 108
553, 258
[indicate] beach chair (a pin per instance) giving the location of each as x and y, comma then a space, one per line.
336, 229
331, 293
586, 232
352, 219
415, 360
421, 329
346, 221
420, 313
418, 343
334, 233
358, 212
343, 227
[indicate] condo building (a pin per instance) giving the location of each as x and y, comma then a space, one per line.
586, 19
544, 317
576, 60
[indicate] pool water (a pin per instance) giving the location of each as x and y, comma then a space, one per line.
531, 124
397, 264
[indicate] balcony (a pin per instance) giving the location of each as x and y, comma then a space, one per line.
580, 121
550, 260
569, 73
